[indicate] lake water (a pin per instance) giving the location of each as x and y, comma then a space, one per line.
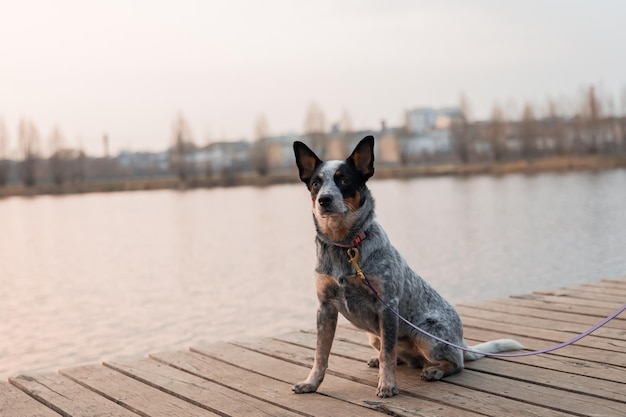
87, 278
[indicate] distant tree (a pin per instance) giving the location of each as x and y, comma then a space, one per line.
528, 131
4, 163
591, 114
556, 128
345, 123
77, 160
105, 145
623, 118
260, 151
315, 128
315, 121
461, 131
59, 166
181, 149
28, 141
496, 133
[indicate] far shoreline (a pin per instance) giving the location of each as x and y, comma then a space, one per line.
549, 164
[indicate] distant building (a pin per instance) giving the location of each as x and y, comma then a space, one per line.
427, 132
277, 152
143, 162
388, 146
222, 157
421, 120
426, 119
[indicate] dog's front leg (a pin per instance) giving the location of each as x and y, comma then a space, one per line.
387, 360
326, 326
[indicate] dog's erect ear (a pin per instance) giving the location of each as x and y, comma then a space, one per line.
306, 160
363, 157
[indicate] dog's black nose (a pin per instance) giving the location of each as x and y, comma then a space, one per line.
325, 200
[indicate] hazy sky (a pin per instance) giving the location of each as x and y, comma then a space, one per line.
128, 67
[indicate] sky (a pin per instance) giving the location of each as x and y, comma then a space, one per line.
127, 68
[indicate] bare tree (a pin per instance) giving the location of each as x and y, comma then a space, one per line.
315, 128
461, 131
496, 133
181, 149
556, 128
315, 121
78, 162
260, 151
28, 139
591, 113
623, 118
4, 163
345, 123
58, 157
528, 130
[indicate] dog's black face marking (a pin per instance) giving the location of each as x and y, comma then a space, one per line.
338, 188
348, 177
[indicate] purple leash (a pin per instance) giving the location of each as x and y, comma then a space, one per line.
497, 355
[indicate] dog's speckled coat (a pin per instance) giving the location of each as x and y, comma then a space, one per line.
343, 207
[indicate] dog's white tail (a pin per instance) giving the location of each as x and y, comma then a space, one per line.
494, 346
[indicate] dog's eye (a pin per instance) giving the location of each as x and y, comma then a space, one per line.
316, 184
345, 181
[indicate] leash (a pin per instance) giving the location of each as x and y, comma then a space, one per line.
353, 258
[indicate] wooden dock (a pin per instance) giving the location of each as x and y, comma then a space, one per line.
254, 378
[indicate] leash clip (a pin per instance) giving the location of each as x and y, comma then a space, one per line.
353, 258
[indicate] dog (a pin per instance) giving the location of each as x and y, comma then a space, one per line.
343, 213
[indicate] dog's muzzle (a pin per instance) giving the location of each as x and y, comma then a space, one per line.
328, 204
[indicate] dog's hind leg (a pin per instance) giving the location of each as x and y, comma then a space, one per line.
439, 370
442, 361
375, 343
373, 362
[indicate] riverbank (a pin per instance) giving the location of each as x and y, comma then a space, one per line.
550, 164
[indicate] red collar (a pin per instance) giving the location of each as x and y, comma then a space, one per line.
358, 239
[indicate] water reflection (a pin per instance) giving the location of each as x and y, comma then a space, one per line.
88, 277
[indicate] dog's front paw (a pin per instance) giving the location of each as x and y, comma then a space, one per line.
385, 391
304, 387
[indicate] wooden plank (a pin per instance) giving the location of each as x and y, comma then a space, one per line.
599, 288
588, 348
571, 359
286, 367
554, 305
264, 387
541, 395
522, 387
346, 344
555, 378
616, 281
564, 299
14, 402
583, 294
409, 381
67, 397
206, 394
551, 316
617, 336
577, 366
132, 394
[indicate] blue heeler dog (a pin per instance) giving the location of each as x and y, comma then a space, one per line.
343, 212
